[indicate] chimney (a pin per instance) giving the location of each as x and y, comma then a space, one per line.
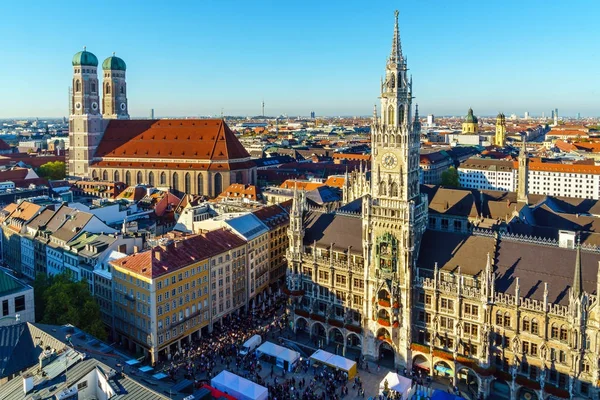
27, 383
157, 254
136, 249
122, 248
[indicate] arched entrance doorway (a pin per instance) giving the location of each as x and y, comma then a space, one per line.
421, 364
526, 394
319, 335
500, 390
467, 381
353, 341
336, 338
386, 351
443, 371
301, 325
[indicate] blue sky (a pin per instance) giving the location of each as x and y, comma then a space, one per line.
198, 57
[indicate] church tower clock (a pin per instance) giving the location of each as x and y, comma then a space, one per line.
85, 122
397, 214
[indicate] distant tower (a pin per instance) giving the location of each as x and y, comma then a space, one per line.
152, 113
523, 174
430, 120
555, 115
470, 124
578, 115
417, 122
500, 138
526, 115
85, 122
114, 100
263, 108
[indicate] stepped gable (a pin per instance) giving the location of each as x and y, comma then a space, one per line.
178, 141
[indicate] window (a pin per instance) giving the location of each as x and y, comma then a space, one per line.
447, 305
471, 310
82, 385
534, 327
446, 323
340, 280
526, 324
564, 336
4, 308
554, 331
507, 320
499, 318
19, 303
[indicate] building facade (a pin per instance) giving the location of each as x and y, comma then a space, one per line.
16, 300
544, 178
503, 316
188, 156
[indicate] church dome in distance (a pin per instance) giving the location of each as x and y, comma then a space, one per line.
114, 63
470, 117
85, 58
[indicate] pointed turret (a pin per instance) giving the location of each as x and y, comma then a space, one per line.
577, 288
374, 114
416, 122
396, 54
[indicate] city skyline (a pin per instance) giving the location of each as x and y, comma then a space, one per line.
325, 55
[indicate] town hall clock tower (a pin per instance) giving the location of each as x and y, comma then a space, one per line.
394, 215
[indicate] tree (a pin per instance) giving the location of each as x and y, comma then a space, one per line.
450, 178
59, 300
53, 170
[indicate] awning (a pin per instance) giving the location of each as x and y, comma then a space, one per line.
132, 362
146, 368
444, 370
159, 376
423, 364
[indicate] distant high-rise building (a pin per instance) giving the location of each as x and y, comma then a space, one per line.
552, 114
152, 113
430, 120
312, 115
263, 108
526, 114
543, 114
578, 115
555, 116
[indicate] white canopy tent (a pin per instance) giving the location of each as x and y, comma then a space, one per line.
397, 383
285, 358
239, 387
335, 361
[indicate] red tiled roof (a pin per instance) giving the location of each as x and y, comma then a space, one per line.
273, 216
239, 191
300, 185
335, 181
173, 139
218, 166
161, 260
4, 145
350, 156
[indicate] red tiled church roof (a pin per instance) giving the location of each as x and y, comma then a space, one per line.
172, 139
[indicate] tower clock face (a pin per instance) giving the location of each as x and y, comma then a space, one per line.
123, 106
389, 160
94, 106
78, 106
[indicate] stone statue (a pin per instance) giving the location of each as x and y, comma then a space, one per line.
513, 372
348, 316
543, 352
459, 330
328, 310
515, 345
571, 385
542, 377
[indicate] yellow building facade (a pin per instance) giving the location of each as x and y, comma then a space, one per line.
162, 296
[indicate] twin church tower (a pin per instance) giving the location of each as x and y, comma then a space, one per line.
87, 121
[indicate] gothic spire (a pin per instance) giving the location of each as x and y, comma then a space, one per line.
374, 113
577, 289
396, 54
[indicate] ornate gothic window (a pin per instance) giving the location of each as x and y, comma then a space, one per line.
175, 183
218, 184
108, 88
140, 177
188, 183
77, 86
116, 176
105, 175
394, 190
392, 82
93, 87
122, 89
200, 183
128, 178
382, 187
391, 115
163, 178
94, 175
401, 115
151, 178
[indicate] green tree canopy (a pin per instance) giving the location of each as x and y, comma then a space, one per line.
59, 300
53, 170
450, 178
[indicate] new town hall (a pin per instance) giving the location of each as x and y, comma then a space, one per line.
516, 317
